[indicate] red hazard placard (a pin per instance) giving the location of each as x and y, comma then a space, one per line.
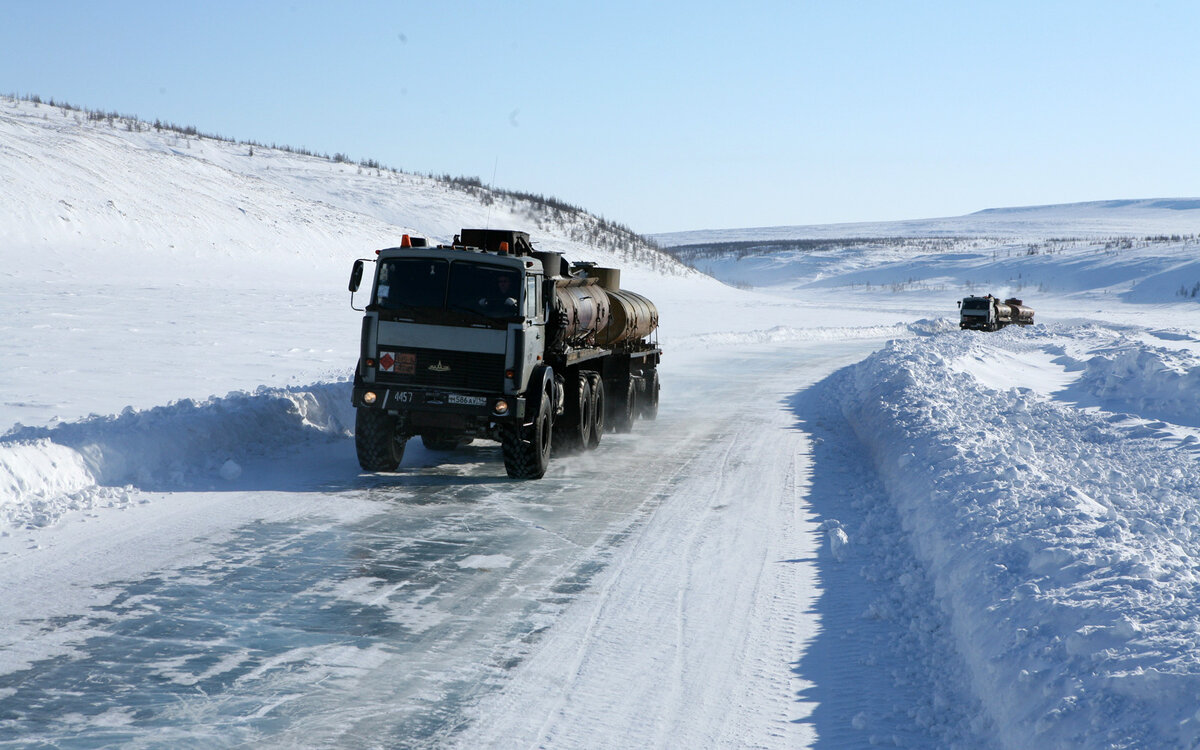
386, 361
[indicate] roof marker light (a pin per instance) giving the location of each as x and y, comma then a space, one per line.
406, 241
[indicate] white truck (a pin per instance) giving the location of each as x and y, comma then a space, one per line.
988, 313
487, 338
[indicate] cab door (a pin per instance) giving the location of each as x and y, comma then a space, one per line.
535, 323
527, 339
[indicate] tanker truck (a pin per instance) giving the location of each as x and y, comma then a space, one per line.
487, 338
988, 313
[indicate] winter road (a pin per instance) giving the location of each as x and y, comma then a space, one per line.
660, 591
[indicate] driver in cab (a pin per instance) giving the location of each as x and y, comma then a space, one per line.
503, 298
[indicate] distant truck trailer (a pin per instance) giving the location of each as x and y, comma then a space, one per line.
988, 313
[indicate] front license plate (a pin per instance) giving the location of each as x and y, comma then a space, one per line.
461, 400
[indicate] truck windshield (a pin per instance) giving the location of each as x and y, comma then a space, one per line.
411, 282
975, 303
436, 284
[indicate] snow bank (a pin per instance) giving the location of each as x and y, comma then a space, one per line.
39, 472
1151, 381
45, 472
1062, 546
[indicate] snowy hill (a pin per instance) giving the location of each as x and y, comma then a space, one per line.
852, 524
116, 237
87, 189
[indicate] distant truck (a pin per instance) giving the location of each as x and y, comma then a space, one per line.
988, 313
487, 338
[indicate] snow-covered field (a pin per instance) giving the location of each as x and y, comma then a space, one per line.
852, 525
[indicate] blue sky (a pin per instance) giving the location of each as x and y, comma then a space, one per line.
666, 116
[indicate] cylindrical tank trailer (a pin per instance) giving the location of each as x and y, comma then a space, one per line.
590, 309
1019, 312
633, 317
579, 309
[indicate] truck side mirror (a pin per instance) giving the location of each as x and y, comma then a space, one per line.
356, 276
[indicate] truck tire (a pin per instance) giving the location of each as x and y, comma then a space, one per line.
599, 408
648, 404
624, 407
526, 448
379, 446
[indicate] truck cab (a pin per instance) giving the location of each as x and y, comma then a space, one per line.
978, 313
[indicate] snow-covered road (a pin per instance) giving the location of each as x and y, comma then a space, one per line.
305, 604
692, 635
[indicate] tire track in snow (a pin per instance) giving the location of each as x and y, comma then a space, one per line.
690, 637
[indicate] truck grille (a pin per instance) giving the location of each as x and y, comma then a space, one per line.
443, 369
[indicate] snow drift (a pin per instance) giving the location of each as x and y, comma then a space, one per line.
1061, 541
45, 472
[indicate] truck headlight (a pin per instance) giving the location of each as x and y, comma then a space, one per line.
500, 408
369, 397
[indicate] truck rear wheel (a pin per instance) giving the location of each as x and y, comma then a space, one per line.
599, 407
379, 446
624, 407
526, 448
648, 405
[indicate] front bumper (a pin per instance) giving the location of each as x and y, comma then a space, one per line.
409, 399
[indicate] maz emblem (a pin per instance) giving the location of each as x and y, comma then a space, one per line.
439, 367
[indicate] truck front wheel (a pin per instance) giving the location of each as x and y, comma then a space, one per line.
527, 447
379, 446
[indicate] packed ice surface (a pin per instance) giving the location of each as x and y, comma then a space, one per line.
857, 525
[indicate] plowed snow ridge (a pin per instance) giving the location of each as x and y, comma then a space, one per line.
1061, 541
45, 472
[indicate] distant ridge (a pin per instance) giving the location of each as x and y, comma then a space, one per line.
1173, 204
1111, 218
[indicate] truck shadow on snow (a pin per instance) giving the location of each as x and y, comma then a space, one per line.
881, 668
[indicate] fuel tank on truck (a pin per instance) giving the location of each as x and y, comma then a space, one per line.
1022, 314
633, 316
580, 310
